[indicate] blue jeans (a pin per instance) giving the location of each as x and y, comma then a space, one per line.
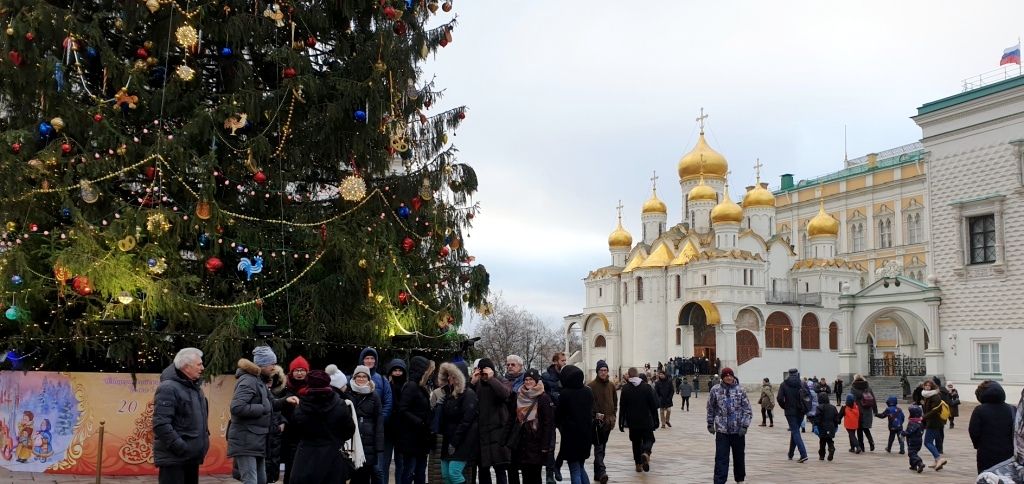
794, 434
381, 473
578, 473
251, 469
931, 437
723, 444
451, 471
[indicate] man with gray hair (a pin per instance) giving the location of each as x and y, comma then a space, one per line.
181, 436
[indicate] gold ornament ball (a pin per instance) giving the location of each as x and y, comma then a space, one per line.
148, 44
152, 5
352, 188
122, 150
140, 65
11, 226
57, 123
185, 73
151, 61
362, 262
187, 35
89, 193
379, 67
10, 31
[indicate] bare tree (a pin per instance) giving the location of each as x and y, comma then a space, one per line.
511, 330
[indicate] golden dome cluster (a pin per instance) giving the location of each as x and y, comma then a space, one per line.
620, 238
822, 224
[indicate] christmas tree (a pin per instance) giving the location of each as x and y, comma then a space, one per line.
181, 172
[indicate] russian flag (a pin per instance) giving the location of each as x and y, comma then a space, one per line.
1011, 55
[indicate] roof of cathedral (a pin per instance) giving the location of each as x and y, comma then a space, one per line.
620, 238
823, 224
734, 254
702, 192
727, 210
824, 263
702, 159
661, 257
638, 259
606, 271
759, 196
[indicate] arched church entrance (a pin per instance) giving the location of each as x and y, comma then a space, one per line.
702, 317
892, 341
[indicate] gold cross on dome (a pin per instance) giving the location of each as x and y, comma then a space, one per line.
700, 120
654, 181
619, 208
757, 169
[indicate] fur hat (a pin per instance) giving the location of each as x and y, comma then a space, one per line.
338, 379
263, 356
601, 364
298, 362
318, 379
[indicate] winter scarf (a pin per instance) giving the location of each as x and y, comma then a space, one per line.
526, 411
355, 446
929, 393
361, 389
635, 381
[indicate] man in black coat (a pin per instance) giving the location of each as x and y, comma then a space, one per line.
181, 437
663, 388
638, 410
574, 416
553, 387
837, 388
790, 398
991, 428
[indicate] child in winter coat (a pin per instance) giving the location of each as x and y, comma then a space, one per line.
894, 415
827, 420
851, 422
915, 437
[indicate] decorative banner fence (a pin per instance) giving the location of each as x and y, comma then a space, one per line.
49, 422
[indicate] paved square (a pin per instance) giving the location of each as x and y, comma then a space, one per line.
685, 453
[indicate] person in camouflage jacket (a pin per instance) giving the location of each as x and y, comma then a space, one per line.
729, 416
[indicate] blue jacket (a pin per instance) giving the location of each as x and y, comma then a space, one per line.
383, 386
728, 408
893, 413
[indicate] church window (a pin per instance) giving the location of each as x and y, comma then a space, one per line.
679, 287
679, 336
639, 289
600, 291
982, 239
704, 279
625, 293
599, 342
744, 277
778, 332
809, 337
805, 243
833, 336
914, 228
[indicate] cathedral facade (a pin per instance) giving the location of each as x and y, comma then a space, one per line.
901, 263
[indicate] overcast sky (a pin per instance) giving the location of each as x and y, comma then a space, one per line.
572, 105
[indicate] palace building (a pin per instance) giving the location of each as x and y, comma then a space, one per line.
899, 263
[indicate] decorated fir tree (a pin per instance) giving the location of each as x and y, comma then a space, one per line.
187, 171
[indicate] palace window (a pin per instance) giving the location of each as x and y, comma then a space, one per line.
600, 292
679, 336
600, 342
625, 293
809, 337
884, 233
982, 239
857, 236
914, 231
639, 289
987, 359
778, 332
833, 336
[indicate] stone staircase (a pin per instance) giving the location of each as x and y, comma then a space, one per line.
884, 386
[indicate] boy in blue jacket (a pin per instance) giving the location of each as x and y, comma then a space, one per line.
894, 415
915, 436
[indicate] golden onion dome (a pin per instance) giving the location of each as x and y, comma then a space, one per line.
702, 159
823, 223
759, 196
702, 192
727, 211
620, 238
654, 204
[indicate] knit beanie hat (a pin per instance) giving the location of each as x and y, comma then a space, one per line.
361, 369
601, 364
485, 363
338, 378
298, 362
263, 356
534, 374
849, 399
318, 379
728, 372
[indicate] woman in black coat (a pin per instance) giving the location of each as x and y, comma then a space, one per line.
366, 401
867, 412
529, 429
460, 441
991, 426
575, 418
322, 423
415, 441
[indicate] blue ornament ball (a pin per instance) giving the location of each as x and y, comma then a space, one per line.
239, 248
17, 280
361, 116
65, 213
45, 130
226, 52
151, 262
91, 52
12, 313
408, 4
404, 212
204, 241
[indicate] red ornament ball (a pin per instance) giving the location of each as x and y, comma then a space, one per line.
150, 172
82, 285
416, 203
29, 36
390, 12
310, 41
288, 72
445, 251
65, 148
16, 148
141, 53
443, 42
214, 264
400, 28
408, 244
446, 6
403, 297
14, 57
97, 117
462, 115
260, 177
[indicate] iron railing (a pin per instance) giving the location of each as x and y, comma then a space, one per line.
898, 366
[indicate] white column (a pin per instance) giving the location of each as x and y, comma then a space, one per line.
725, 344
934, 355
847, 356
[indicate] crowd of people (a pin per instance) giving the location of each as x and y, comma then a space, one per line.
483, 426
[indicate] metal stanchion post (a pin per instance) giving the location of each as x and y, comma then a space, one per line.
99, 455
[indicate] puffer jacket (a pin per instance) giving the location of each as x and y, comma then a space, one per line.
789, 395
827, 418
728, 408
383, 389
180, 432
251, 413
371, 423
991, 427
414, 409
459, 423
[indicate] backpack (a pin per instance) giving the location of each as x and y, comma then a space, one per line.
896, 418
867, 399
805, 400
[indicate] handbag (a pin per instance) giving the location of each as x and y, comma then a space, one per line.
512, 441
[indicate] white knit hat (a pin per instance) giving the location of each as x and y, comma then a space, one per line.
338, 379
